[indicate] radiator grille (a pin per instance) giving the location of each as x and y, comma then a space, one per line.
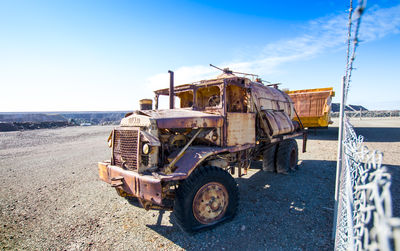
126, 148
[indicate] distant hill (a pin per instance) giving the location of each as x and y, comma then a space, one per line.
31, 117
79, 117
349, 108
94, 118
15, 121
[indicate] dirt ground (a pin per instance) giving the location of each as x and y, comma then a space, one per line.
51, 197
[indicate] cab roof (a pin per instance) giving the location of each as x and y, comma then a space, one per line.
204, 83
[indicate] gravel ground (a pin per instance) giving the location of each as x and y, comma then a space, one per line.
51, 197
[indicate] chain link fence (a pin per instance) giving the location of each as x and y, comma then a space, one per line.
363, 206
364, 218
369, 114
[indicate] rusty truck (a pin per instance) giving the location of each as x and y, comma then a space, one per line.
183, 159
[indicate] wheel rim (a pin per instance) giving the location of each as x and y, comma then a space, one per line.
293, 159
210, 203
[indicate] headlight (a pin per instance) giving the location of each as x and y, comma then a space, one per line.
146, 148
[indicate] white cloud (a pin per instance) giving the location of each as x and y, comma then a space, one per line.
380, 23
320, 35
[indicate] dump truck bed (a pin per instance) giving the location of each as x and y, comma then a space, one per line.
313, 106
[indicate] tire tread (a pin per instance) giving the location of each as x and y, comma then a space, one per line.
185, 194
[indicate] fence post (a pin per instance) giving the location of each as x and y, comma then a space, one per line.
339, 158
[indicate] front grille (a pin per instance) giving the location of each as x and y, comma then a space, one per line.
126, 146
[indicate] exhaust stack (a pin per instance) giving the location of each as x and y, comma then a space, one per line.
171, 90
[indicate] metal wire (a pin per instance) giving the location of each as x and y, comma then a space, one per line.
349, 64
364, 206
365, 219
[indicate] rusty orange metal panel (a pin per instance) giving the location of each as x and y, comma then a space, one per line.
313, 105
184, 118
146, 187
103, 172
310, 104
278, 122
241, 128
190, 122
196, 154
267, 98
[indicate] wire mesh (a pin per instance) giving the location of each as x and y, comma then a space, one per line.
363, 209
365, 220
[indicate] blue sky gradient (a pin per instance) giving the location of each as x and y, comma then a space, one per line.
106, 55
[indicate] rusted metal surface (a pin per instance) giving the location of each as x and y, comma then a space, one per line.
150, 138
241, 128
146, 104
193, 122
210, 202
244, 161
224, 111
267, 98
305, 141
103, 171
171, 90
278, 122
181, 152
222, 122
287, 136
136, 120
126, 147
184, 118
117, 181
310, 102
146, 187
194, 155
210, 82
313, 105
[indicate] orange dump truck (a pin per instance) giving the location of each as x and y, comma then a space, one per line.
313, 106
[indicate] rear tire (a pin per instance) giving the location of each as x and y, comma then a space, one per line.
207, 197
287, 156
269, 159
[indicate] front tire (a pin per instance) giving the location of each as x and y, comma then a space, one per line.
207, 197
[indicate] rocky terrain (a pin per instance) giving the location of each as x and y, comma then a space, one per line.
369, 114
18, 121
51, 197
335, 107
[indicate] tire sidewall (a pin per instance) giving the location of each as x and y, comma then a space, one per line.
293, 160
284, 156
225, 180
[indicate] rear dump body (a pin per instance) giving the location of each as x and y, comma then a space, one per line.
160, 156
313, 106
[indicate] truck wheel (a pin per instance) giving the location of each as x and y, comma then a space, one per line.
207, 197
287, 156
269, 159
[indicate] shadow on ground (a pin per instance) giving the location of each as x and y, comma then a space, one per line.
379, 134
395, 188
370, 134
276, 211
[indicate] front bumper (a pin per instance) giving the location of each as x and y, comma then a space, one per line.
146, 187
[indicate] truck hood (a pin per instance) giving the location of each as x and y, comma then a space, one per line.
173, 118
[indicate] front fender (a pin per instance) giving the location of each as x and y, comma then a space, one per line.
195, 155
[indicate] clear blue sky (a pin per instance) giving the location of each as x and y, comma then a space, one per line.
106, 55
